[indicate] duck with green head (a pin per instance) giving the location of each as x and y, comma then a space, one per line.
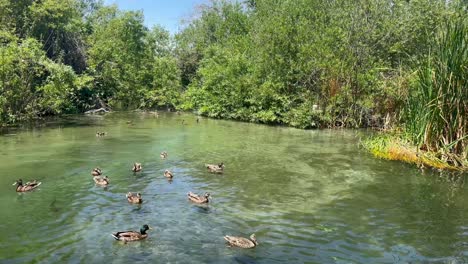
29, 186
128, 236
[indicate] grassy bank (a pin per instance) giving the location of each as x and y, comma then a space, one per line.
395, 147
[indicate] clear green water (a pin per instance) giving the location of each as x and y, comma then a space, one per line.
310, 196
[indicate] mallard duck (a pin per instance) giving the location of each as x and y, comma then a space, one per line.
96, 172
29, 186
137, 167
134, 198
163, 155
242, 242
213, 168
198, 199
168, 174
128, 236
102, 181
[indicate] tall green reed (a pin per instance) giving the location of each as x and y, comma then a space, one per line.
436, 116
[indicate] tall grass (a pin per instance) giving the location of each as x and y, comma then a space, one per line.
437, 112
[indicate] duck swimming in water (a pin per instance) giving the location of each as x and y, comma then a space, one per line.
29, 186
102, 181
168, 174
197, 198
242, 242
96, 172
163, 155
128, 236
137, 167
134, 198
213, 168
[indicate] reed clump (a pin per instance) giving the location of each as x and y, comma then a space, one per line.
436, 114
435, 117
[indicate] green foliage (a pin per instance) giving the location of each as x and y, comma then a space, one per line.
31, 84
20, 71
351, 60
117, 55
69, 56
58, 26
132, 65
57, 92
166, 88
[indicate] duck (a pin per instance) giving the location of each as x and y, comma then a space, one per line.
96, 172
213, 168
134, 198
137, 167
242, 242
168, 174
163, 155
29, 186
128, 236
100, 134
193, 197
102, 181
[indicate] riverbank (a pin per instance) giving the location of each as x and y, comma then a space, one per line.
395, 147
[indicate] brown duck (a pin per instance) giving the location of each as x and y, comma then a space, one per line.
242, 242
213, 168
134, 198
193, 197
168, 174
96, 172
128, 236
102, 181
137, 167
163, 155
29, 186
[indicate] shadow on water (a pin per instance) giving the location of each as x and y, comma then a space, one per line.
54, 123
201, 208
53, 206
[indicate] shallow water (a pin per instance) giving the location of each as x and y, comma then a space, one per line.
309, 196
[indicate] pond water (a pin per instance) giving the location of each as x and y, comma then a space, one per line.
309, 196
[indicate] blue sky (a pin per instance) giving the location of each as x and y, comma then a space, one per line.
167, 13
